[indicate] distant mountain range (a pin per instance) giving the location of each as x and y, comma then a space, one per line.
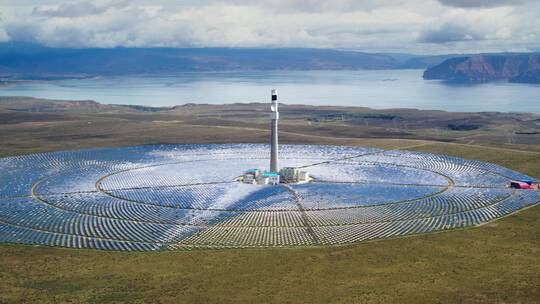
29, 61
26, 60
520, 68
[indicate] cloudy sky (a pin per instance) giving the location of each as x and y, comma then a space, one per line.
416, 26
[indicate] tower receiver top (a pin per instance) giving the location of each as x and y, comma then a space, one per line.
274, 107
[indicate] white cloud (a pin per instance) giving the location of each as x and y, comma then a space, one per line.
421, 26
4, 37
77, 9
483, 3
475, 25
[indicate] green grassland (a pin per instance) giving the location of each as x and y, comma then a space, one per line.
494, 263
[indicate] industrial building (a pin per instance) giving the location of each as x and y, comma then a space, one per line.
256, 176
293, 175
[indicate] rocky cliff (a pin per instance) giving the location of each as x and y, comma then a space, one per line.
524, 68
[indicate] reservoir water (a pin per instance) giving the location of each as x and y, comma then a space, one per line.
375, 89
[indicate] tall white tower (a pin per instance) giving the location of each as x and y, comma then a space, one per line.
274, 137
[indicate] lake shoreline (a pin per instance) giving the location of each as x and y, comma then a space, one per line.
255, 104
378, 89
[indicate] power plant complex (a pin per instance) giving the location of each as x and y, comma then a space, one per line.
192, 196
275, 176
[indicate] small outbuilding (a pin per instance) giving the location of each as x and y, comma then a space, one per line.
251, 176
293, 175
271, 178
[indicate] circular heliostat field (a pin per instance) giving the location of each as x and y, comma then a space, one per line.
186, 196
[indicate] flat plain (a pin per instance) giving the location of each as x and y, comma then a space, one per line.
494, 263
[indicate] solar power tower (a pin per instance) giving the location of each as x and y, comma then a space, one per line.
274, 137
